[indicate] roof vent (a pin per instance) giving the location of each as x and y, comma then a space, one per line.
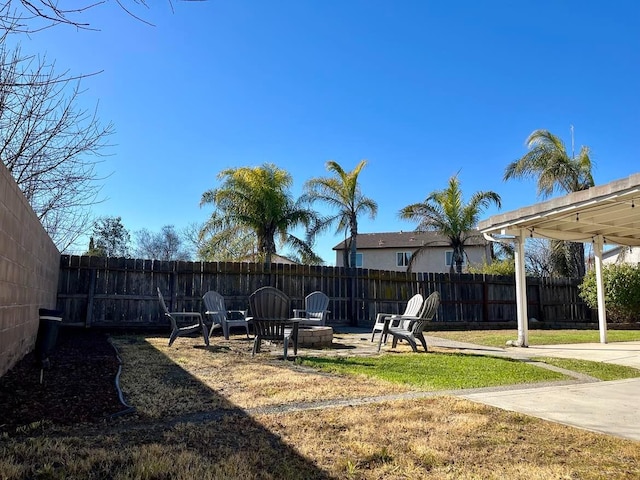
381, 242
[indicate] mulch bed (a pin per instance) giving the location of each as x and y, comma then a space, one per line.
79, 386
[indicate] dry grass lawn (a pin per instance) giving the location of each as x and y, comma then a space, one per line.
191, 424
444, 437
225, 376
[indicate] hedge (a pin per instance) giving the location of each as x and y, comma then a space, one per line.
621, 288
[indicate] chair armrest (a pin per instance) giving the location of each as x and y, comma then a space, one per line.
402, 320
405, 317
186, 314
299, 312
396, 320
241, 312
381, 316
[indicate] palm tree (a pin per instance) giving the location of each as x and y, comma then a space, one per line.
445, 212
231, 244
342, 193
257, 199
548, 161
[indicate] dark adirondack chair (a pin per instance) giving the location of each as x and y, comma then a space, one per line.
270, 309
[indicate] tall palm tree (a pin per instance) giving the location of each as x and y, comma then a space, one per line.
258, 199
445, 212
555, 170
342, 193
548, 161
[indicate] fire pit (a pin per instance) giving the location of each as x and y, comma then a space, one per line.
315, 337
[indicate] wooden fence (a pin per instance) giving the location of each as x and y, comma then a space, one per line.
119, 292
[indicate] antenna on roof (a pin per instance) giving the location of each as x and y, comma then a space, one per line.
573, 146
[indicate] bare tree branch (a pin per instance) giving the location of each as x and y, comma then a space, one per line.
49, 144
31, 16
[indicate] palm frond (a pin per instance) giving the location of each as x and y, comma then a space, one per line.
548, 162
341, 193
445, 212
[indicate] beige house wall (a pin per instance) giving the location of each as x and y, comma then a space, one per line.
431, 260
630, 255
29, 266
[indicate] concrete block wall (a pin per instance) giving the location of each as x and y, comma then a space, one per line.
29, 267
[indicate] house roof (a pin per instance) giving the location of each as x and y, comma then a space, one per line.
407, 240
613, 251
609, 210
275, 258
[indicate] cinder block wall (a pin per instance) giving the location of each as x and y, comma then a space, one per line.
29, 266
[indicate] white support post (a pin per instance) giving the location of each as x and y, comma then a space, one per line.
602, 313
521, 291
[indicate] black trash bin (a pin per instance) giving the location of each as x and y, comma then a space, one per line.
50, 321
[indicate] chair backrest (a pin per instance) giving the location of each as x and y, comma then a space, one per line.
429, 309
315, 304
162, 304
214, 302
414, 305
270, 309
269, 303
430, 306
164, 307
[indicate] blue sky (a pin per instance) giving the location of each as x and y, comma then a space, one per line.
421, 89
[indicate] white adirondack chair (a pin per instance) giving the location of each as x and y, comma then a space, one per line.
412, 309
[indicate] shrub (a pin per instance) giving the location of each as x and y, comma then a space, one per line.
621, 291
497, 267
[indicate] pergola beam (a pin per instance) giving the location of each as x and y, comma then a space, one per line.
605, 214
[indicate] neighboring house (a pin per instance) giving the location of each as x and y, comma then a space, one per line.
392, 251
622, 254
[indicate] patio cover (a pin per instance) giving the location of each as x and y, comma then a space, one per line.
604, 214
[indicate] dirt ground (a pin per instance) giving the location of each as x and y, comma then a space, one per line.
79, 386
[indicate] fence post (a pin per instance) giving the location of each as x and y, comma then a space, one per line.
92, 291
485, 298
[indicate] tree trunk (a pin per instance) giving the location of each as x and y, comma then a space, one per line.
353, 321
346, 253
576, 256
458, 266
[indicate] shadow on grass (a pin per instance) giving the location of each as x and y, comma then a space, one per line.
218, 430
197, 434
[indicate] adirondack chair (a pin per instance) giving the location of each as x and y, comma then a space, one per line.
214, 303
315, 309
412, 309
410, 329
270, 312
175, 317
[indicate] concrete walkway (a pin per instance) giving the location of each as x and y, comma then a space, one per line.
620, 353
605, 407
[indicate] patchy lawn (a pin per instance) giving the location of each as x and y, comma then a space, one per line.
191, 422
